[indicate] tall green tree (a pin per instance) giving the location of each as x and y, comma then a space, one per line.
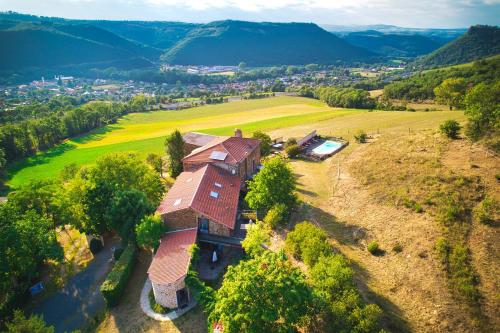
96, 194
26, 241
451, 92
274, 184
483, 110
127, 210
155, 161
174, 146
265, 142
262, 294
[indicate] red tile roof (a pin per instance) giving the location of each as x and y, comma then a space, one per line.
193, 189
237, 150
171, 261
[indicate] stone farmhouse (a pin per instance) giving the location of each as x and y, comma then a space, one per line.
202, 205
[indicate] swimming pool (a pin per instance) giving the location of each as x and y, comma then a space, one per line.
327, 147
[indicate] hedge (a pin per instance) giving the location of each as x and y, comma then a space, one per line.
112, 288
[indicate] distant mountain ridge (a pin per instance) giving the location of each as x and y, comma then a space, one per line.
261, 44
478, 42
441, 35
393, 45
47, 44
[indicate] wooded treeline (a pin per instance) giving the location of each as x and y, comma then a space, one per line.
421, 86
43, 126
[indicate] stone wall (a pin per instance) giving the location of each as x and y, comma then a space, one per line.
166, 294
188, 148
249, 165
181, 219
215, 228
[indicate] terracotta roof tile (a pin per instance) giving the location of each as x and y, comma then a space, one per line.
237, 150
171, 261
193, 189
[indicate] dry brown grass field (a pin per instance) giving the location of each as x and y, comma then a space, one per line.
361, 195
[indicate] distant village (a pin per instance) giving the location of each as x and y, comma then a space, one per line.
41, 90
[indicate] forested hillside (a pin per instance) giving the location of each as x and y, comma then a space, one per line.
479, 42
421, 86
395, 45
260, 44
29, 44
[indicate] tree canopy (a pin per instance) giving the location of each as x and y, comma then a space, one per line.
483, 110
174, 146
31, 324
149, 231
274, 184
451, 92
262, 294
265, 142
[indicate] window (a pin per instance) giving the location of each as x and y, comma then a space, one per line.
219, 185
177, 202
203, 225
214, 194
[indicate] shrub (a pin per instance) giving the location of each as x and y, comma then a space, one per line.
290, 142
442, 248
116, 281
257, 236
451, 211
373, 247
32, 324
276, 215
463, 279
361, 137
293, 151
486, 211
308, 243
450, 128
397, 248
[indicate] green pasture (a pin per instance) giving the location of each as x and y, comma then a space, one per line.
144, 133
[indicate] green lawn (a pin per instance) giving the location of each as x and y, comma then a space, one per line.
144, 133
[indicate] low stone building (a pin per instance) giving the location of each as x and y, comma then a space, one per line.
170, 266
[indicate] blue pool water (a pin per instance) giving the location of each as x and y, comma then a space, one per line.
327, 147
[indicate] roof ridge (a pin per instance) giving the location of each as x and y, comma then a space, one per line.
171, 232
209, 145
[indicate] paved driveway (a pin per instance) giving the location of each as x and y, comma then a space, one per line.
80, 300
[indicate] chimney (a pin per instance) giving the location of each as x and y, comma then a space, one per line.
237, 133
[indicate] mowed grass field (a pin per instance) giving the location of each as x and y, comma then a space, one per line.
144, 133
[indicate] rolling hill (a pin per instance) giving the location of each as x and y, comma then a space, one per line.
394, 45
261, 44
478, 42
47, 45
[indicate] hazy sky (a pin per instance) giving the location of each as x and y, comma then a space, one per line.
408, 13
